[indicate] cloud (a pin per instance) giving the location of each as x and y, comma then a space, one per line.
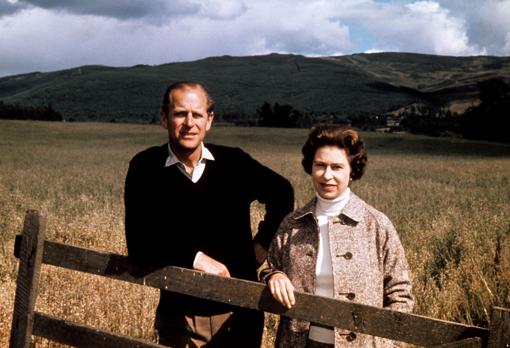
91, 39
154, 10
55, 34
436, 30
8, 7
222, 10
296, 27
486, 22
420, 27
35, 40
132, 9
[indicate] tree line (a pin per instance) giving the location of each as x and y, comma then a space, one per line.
23, 112
489, 120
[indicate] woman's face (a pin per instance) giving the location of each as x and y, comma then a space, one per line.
331, 171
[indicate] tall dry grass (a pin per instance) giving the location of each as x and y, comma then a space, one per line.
448, 198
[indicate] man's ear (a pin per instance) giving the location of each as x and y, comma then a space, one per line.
210, 120
163, 119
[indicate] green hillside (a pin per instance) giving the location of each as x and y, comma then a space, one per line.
344, 85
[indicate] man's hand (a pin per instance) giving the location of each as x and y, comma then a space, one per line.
282, 289
209, 265
260, 253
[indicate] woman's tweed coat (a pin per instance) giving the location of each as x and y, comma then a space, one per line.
369, 266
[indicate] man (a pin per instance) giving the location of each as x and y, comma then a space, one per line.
188, 204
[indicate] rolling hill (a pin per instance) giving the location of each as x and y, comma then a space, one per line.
346, 85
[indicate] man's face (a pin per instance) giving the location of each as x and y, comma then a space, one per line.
187, 121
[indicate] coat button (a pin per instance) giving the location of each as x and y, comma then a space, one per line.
309, 253
348, 255
351, 296
351, 337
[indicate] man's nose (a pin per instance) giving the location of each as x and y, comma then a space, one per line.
189, 120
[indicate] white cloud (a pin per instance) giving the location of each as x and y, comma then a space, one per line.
55, 34
35, 40
445, 33
423, 27
487, 22
222, 28
297, 27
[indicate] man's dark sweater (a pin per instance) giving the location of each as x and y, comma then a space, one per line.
169, 218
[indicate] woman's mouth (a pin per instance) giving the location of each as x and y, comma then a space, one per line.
328, 187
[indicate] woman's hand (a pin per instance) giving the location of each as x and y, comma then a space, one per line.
282, 289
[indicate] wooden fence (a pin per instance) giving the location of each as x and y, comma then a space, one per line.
33, 251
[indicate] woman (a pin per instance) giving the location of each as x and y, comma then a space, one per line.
336, 245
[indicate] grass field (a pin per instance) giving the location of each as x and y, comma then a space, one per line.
448, 198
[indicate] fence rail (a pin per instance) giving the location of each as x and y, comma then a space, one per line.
34, 251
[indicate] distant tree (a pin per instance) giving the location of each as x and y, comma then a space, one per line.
490, 120
50, 114
239, 118
493, 91
284, 116
21, 112
305, 120
265, 115
430, 120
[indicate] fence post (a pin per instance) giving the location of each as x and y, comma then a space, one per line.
30, 258
499, 334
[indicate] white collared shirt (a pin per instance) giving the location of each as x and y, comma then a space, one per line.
199, 168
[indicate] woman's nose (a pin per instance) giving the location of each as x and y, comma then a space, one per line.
327, 173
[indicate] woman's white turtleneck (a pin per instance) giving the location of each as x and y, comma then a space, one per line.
324, 209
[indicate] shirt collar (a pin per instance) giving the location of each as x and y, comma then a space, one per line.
172, 157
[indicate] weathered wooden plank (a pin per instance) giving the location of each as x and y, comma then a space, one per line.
398, 326
473, 342
17, 245
79, 335
500, 328
31, 253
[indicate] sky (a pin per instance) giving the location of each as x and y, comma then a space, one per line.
48, 35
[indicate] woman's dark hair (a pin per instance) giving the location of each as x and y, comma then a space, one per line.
344, 137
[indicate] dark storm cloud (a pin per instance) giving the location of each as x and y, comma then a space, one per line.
8, 7
127, 9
